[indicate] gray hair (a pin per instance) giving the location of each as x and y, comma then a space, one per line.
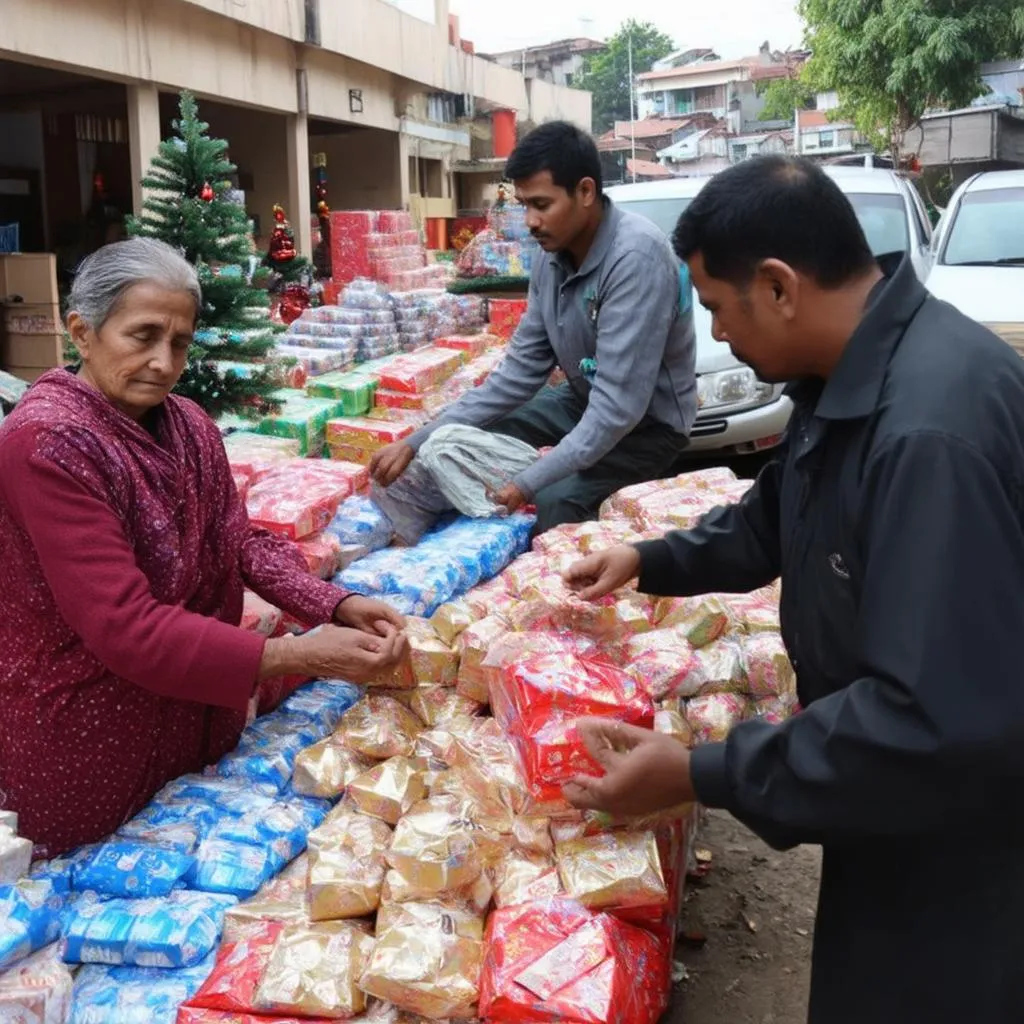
104, 277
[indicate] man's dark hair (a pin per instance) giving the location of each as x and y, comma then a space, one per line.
774, 207
561, 148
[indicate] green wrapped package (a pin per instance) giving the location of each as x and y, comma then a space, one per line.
302, 418
354, 390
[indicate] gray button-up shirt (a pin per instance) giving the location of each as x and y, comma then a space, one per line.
629, 308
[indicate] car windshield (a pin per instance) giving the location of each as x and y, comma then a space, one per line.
883, 217
988, 229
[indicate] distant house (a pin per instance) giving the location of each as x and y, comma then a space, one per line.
557, 63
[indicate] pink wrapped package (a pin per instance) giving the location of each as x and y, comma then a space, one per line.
769, 671
420, 371
713, 718
36, 990
255, 455
717, 668
259, 616
350, 475
323, 553
295, 506
362, 432
660, 661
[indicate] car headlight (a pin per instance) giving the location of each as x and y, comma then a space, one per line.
736, 387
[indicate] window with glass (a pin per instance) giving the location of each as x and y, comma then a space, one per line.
988, 230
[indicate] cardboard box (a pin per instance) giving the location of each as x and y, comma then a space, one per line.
32, 318
30, 275
31, 351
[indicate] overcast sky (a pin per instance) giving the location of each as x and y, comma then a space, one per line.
734, 28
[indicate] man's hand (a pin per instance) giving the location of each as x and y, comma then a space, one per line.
368, 615
603, 573
510, 498
350, 654
645, 771
390, 462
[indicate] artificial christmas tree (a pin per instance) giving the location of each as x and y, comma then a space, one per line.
189, 207
291, 273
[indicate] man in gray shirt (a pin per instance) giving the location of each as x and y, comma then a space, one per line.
608, 304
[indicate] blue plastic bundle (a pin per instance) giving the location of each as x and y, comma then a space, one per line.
173, 835
282, 828
121, 867
173, 931
273, 767
135, 995
212, 790
280, 731
179, 810
31, 915
324, 700
236, 869
360, 522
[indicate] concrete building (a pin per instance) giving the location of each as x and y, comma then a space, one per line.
88, 89
557, 63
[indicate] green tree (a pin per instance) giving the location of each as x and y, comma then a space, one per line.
188, 207
606, 74
893, 60
783, 96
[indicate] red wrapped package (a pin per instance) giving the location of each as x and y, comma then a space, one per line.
538, 701
259, 616
393, 222
322, 552
419, 371
556, 961
505, 315
242, 482
295, 506
348, 475
238, 971
427, 401
472, 345
365, 433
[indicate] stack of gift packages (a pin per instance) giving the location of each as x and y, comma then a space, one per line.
404, 853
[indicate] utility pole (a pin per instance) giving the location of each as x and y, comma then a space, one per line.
632, 110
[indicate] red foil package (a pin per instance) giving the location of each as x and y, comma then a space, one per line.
557, 961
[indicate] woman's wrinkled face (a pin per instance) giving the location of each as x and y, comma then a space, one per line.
137, 356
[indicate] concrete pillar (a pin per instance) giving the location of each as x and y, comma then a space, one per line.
403, 169
299, 193
143, 135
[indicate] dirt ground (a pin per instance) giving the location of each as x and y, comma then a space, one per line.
747, 927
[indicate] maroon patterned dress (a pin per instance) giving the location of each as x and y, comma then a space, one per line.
124, 553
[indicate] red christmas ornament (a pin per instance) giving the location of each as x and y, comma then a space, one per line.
294, 300
282, 242
206, 193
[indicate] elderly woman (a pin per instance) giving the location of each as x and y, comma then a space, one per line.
124, 553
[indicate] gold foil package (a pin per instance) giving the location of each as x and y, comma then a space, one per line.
673, 723
434, 662
314, 972
426, 968
346, 867
712, 718
769, 672
438, 706
701, 620
613, 871
435, 850
380, 727
388, 790
282, 899
451, 619
473, 645
326, 769
520, 879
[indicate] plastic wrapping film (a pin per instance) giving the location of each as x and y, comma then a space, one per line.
388, 790
712, 718
36, 990
613, 871
380, 728
556, 960
347, 866
130, 869
179, 930
295, 507
30, 916
327, 768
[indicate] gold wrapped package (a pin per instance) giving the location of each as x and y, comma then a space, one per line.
769, 671
672, 722
702, 620
388, 790
425, 966
281, 899
437, 706
717, 668
520, 879
613, 870
379, 727
434, 663
473, 645
346, 867
326, 769
314, 972
436, 849
712, 718
451, 619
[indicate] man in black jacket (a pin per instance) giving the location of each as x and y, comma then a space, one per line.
895, 515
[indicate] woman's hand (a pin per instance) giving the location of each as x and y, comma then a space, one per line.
368, 615
333, 652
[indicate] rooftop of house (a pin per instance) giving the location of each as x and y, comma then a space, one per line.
701, 67
569, 46
647, 169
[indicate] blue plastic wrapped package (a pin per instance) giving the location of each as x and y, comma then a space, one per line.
173, 931
324, 700
282, 828
31, 915
359, 521
121, 867
236, 869
214, 791
173, 835
195, 812
264, 766
135, 995
280, 731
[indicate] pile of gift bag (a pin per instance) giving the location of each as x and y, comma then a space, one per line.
404, 853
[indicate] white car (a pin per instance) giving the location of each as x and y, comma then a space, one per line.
738, 413
979, 250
